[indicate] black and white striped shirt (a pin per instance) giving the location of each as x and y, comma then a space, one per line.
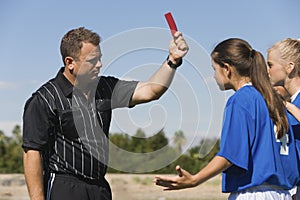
71, 130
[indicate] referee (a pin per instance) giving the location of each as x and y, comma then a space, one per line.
66, 121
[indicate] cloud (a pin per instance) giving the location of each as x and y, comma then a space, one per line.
6, 85
8, 126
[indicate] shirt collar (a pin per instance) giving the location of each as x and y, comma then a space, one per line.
293, 97
64, 84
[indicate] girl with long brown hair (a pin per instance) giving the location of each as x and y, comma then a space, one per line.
257, 152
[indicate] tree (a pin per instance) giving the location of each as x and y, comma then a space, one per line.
157, 141
11, 153
120, 140
179, 140
208, 147
193, 161
138, 142
3, 142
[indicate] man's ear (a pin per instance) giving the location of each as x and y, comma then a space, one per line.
69, 63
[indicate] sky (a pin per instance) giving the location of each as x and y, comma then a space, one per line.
135, 39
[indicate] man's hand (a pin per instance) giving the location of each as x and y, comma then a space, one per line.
160, 81
178, 47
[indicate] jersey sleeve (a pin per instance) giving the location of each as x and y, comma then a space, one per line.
36, 123
118, 91
235, 139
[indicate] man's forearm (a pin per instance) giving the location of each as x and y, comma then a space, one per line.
161, 79
159, 82
155, 87
33, 170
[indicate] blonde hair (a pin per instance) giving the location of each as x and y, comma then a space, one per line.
289, 50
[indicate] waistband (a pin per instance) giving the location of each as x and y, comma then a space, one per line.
78, 179
264, 187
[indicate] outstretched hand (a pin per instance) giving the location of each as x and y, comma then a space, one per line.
183, 180
178, 47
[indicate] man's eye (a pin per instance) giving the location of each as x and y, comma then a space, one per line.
93, 61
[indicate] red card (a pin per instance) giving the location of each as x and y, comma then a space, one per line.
171, 22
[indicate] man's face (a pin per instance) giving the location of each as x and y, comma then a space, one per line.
276, 68
88, 65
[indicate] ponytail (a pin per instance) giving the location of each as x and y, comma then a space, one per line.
259, 78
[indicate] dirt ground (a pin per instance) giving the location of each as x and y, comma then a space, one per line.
124, 187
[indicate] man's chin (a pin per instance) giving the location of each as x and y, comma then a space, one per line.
93, 78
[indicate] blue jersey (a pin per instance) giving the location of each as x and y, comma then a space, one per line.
294, 122
296, 127
248, 141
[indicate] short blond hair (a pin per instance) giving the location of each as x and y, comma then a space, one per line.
289, 50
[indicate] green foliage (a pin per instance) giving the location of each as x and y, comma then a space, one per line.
11, 153
194, 160
122, 144
191, 161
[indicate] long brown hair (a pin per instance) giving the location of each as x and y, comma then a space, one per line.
251, 63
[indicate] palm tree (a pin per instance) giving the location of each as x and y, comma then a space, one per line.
179, 140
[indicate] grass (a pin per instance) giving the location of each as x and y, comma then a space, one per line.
143, 181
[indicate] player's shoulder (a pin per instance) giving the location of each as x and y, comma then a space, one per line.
297, 100
245, 97
106, 82
47, 90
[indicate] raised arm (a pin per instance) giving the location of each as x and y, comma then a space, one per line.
159, 82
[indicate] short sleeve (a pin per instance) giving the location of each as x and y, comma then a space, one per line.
235, 142
36, 123
122, 93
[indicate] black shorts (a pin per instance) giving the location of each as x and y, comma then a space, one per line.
67, 187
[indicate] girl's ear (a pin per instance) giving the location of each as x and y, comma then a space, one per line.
227, 70
291, 70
